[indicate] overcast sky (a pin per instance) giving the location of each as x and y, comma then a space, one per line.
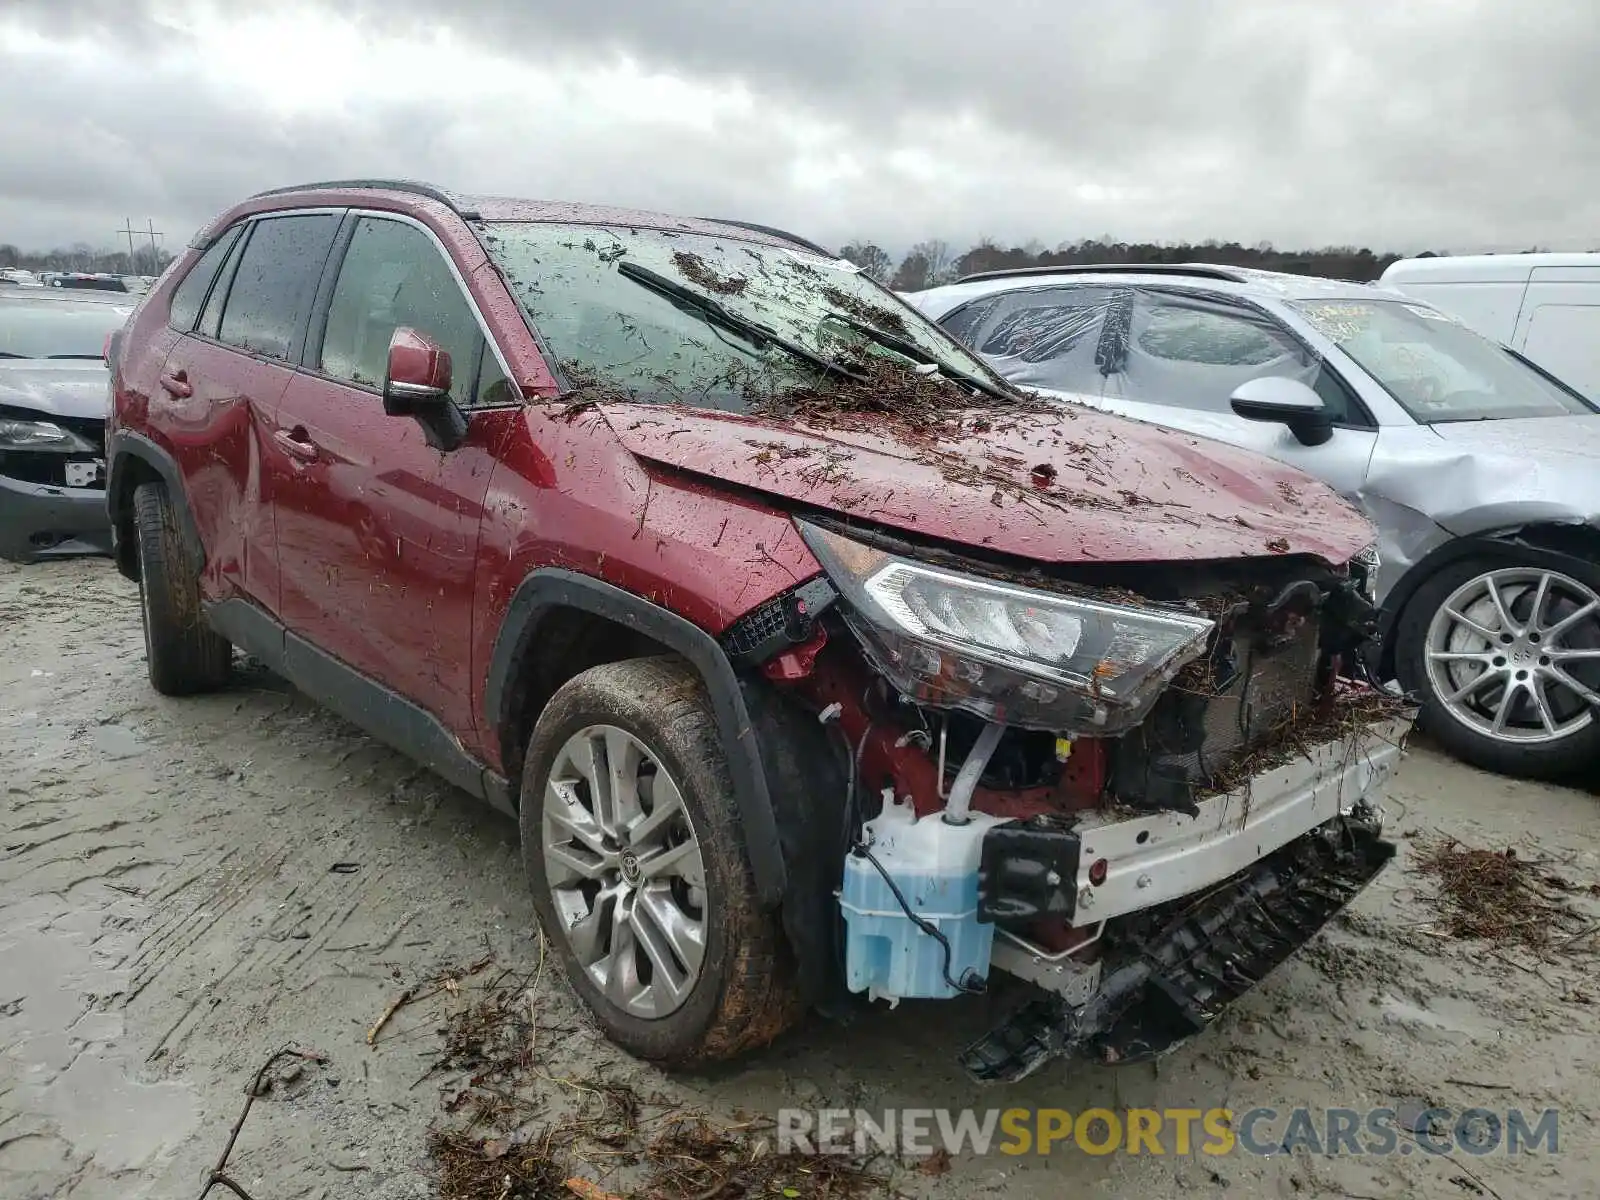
1404, 124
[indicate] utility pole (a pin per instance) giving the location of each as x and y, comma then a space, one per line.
127, 228
155, 256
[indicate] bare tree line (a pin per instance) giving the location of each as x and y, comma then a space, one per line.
926, 264
81, 256
932, 262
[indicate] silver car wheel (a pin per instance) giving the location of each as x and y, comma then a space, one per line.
625, 870
1502, 649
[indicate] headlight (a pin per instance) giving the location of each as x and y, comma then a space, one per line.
1364, 570
17, 433
1027, 657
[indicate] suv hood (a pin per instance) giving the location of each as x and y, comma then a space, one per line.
1113, 490
57, 387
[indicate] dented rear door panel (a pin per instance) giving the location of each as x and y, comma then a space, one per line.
216, 434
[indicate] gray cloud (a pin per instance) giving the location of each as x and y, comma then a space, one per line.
1450, 123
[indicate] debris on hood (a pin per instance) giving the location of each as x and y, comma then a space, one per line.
915, 404
924, 455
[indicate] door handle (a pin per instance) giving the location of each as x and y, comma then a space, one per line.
176, 383
296, 443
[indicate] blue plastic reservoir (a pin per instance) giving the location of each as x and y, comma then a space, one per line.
935, 865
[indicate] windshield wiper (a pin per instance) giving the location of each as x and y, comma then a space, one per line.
905, 346
10, 354
704, 306
90, 357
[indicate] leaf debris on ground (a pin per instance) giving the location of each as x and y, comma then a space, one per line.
510, 1128
1498, 895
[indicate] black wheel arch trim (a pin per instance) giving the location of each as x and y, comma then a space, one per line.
126, 445
548, 589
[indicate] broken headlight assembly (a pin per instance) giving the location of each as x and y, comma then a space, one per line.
23, 433
1030, 658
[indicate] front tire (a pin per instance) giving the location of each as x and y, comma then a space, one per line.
184, 656
632, 843
1505, 656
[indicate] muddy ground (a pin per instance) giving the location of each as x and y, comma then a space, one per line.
186, 886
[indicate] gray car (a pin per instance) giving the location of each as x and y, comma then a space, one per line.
1479, 468
53, 394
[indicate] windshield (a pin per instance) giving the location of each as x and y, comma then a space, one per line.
1435, 367
602, 300
57, 328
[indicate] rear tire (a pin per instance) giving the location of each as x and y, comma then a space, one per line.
1463, 666
183, 654
680, 968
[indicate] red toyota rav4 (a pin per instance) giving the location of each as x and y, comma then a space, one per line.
818, 664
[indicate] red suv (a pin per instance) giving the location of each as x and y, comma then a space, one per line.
818, 664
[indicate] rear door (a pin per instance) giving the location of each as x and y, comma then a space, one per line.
243, 309
1559, 326
378, 531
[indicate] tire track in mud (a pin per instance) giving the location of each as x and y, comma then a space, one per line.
183, 935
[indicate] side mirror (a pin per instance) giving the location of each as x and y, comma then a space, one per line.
1288, 402
417, 378
416, 384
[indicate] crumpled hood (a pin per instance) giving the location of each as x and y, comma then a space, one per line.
1067, 486
65, 387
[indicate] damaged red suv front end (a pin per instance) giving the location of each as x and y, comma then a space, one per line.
819, 665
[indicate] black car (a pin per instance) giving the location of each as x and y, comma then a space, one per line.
80, 281
53, 394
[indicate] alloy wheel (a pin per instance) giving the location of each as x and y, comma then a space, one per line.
1513, 655
625, 870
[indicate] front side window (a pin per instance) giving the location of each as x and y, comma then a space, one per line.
626, 311
1194, 351
1436, 368
275, 281
394, 276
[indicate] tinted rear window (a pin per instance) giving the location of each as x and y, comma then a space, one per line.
273, 286
191, 293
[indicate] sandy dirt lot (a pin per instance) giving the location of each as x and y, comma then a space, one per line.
186, 886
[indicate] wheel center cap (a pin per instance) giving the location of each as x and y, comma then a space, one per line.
630, 868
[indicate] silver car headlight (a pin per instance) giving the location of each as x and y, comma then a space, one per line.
21, 433
1037, 659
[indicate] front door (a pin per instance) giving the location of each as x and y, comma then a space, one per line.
378, 531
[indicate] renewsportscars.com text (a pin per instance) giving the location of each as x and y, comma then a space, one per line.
1175, 1131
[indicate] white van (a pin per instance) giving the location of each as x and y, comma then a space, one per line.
1546, 306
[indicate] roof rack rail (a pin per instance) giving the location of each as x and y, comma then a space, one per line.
388, 185
1193, 270
770, 231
